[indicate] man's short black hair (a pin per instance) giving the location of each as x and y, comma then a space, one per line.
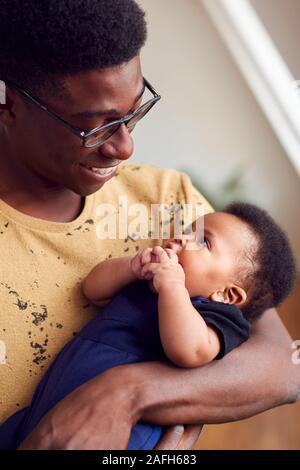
44, 40
274, 271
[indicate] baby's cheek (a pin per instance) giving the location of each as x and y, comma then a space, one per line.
190, 281
196, 282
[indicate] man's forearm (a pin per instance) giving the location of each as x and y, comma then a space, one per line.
100, 414
253, 378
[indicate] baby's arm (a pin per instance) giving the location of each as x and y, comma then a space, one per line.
106, 279
187, 340
109, 277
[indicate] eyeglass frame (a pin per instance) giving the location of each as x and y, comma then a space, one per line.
81, 133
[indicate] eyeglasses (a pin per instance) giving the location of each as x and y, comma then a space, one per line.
100, 134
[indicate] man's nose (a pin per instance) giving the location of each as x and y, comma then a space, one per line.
119, 146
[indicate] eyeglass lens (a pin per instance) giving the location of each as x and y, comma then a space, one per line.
104, 134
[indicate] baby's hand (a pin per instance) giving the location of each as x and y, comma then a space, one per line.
139, 260
166, 271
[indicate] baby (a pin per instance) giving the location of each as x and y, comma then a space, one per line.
190, 302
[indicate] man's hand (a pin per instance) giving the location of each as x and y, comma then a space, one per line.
99, 415
180, 437
96, 416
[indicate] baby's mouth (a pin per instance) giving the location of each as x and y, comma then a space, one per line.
173, 246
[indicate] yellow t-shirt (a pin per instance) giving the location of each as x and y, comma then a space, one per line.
43, 264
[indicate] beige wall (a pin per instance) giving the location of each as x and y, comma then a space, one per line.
208, 122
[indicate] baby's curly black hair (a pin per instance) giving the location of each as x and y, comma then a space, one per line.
274, 271
43, 41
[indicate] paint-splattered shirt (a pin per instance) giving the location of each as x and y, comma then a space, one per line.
43, 264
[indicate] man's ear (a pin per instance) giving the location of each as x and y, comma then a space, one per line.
234, 294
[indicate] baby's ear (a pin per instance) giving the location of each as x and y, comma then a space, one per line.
235, 295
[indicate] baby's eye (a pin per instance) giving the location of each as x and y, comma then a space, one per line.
203, 242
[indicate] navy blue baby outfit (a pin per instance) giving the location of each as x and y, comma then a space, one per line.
126, 331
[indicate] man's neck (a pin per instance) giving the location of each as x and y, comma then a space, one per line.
36, 197
55, 206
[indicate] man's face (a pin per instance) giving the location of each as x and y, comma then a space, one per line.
53, 153
215, 261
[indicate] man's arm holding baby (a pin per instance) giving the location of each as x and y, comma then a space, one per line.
101, 413
256, 361
250, 371
257, 376
253, 378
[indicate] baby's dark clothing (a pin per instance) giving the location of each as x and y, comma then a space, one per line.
126, 331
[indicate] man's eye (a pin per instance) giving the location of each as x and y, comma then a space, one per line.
108, 121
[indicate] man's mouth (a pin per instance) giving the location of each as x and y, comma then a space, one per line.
100, 174
101, 171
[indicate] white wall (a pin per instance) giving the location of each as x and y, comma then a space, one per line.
281, 18
208, 122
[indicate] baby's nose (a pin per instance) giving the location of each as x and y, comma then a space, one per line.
176, 244
181, 240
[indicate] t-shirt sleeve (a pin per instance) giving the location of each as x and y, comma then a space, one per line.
191, 195
229, 323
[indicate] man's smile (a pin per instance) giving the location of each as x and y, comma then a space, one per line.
100, 170
98, 174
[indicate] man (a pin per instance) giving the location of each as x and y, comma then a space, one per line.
71, 67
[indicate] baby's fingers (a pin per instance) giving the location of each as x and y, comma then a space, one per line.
148, 270
160, 253
171, 254
146, 256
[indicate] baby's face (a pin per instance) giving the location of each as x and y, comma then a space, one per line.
214, 260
